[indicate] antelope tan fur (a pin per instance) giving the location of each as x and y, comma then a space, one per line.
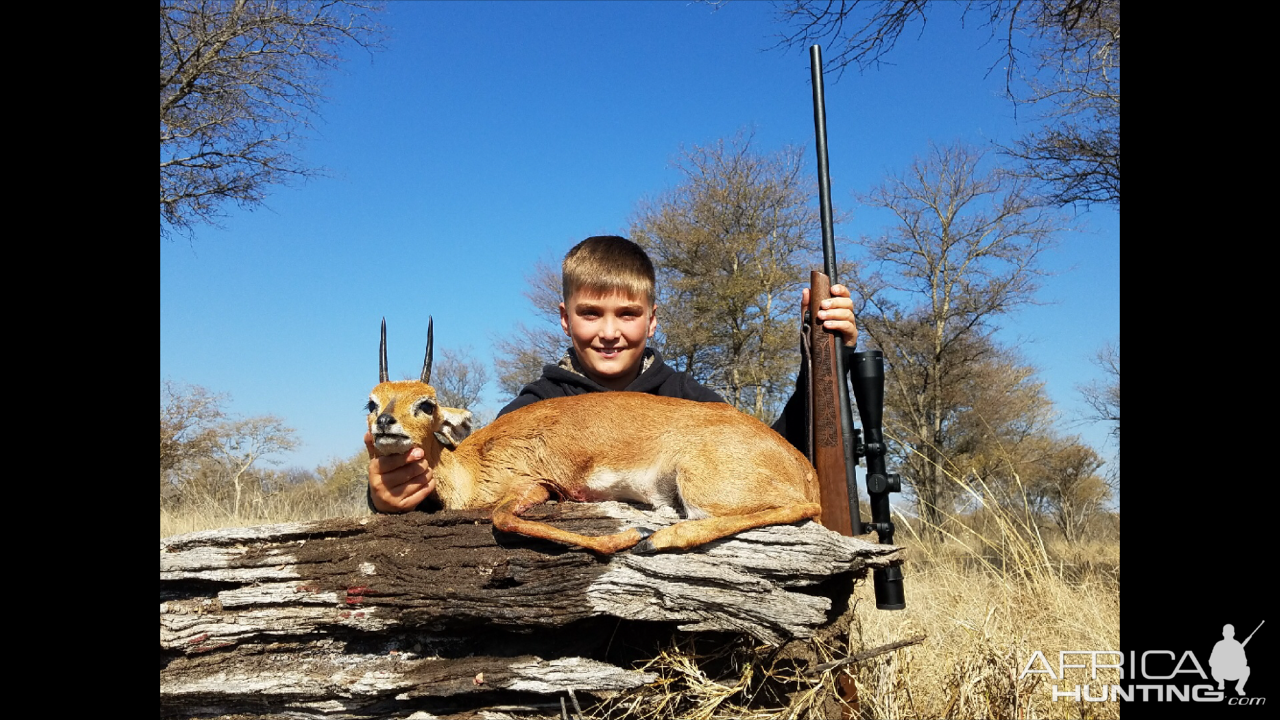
721, 469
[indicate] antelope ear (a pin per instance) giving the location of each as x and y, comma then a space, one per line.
455, 426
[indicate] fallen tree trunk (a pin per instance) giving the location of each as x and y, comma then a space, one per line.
386, 615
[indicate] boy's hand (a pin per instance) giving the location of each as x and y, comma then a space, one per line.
398, 483
836, 313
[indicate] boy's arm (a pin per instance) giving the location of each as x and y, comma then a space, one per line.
793, 421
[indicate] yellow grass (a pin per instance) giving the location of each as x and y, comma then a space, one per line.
305, 502
981, 630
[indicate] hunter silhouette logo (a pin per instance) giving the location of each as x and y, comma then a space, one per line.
1161, 676
1228, 661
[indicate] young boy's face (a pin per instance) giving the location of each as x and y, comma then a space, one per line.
609, 331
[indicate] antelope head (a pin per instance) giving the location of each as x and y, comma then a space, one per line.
405, 414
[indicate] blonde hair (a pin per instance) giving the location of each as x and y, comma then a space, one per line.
608, 263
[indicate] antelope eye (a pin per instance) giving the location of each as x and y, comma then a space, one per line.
371, 407
426, 406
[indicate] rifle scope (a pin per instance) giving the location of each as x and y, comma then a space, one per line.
866, 372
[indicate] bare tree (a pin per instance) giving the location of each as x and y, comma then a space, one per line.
1077, 154
1060, 56
964, 253
208, 456
999, 416
458, 378
1103, 397
521, 355
1070, 488
189, 422
242, 443
240, 80
732, 245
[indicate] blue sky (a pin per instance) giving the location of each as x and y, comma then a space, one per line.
490, 135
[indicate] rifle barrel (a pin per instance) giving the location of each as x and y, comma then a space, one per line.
824, 175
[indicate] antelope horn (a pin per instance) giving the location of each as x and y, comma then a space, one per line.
426, 366
382, 354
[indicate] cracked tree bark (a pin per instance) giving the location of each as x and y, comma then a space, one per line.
438, 614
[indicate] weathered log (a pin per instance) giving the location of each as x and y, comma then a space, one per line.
384, 615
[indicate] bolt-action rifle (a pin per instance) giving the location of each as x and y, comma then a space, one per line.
834, 444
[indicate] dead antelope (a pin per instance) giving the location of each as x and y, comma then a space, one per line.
721, 469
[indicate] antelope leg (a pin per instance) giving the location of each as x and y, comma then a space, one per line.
692, 533
506, 517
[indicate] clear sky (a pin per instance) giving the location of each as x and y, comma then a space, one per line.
490, 135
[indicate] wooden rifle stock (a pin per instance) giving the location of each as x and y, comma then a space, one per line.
827, 426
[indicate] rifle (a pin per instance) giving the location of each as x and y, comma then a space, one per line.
834, 444
1255, 632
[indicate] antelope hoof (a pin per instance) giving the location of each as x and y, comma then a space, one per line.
644, 547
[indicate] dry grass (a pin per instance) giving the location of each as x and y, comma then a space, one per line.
981, 628
297, 504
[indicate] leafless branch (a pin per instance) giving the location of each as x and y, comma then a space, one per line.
240, 82
1061, 57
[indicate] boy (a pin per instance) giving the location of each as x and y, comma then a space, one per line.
609, 313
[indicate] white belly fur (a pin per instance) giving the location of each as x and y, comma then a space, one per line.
655, 486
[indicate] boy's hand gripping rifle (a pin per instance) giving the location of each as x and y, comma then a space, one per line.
835, 445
